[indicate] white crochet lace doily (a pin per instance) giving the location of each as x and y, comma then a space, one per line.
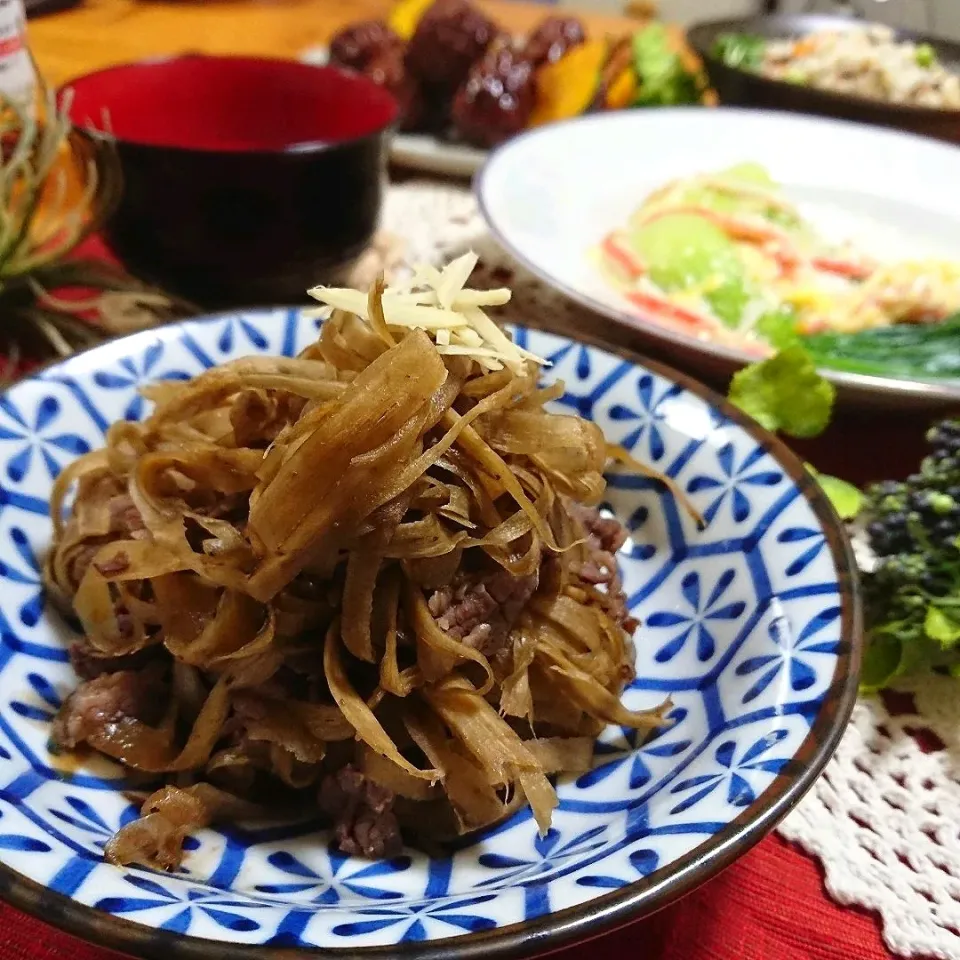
884, 819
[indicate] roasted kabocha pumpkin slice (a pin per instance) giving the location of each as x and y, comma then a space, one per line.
406, 15
618, 79
568, 87
623, 90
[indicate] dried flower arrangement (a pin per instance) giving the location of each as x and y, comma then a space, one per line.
58, 185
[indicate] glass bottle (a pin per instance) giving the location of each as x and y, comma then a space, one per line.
18, 80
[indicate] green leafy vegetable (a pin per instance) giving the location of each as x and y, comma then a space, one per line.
913, 593
785, 393
925, 55
847, 499
924, 351
779, 327
728, 299
941, 627
684, 252
663, 79
882, 662
742, 51
895, 651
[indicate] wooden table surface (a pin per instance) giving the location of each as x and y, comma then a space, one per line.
99, 33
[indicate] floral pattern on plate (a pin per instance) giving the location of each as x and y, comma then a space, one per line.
743, 626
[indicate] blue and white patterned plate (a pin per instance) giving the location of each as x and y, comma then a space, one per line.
751, 625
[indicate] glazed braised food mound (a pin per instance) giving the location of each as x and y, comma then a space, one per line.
459, 76
370, 581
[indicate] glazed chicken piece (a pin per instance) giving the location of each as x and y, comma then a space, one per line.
498, 97
553, 38
450, 38
358, 45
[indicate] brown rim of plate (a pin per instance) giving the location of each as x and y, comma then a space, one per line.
602, 914
924, 392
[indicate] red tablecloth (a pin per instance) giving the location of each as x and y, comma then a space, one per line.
771, 905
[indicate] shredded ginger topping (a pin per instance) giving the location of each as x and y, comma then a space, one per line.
439, 303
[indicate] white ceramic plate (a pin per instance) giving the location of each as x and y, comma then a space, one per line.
420, 151
549, 196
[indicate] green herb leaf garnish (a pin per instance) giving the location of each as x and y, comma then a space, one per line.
846, 499
785, 393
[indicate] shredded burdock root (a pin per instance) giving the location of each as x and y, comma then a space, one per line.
372, 578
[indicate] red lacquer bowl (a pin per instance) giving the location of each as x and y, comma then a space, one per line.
246, 180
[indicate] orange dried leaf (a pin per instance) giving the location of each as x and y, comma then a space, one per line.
566, 88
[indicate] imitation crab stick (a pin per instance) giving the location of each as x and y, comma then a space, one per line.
734, 226
673, 314
843, 268
622, 258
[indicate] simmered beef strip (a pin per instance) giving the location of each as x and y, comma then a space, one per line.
362, 813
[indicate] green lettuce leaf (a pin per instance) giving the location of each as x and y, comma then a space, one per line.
742, 51
664, 81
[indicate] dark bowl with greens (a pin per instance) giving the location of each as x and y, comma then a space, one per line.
733, 52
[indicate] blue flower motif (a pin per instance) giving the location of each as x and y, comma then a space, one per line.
812, 543
46, 692
637, 549
641, 544
240, 327
549, 853
664, 743
28, 575
82, 816
133, 373
734, 478
653, 409
643, 861
19, 842
696, 622
330, 889
789, 654
218, 906
52, 447
735, 774
455, 912
581, 354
